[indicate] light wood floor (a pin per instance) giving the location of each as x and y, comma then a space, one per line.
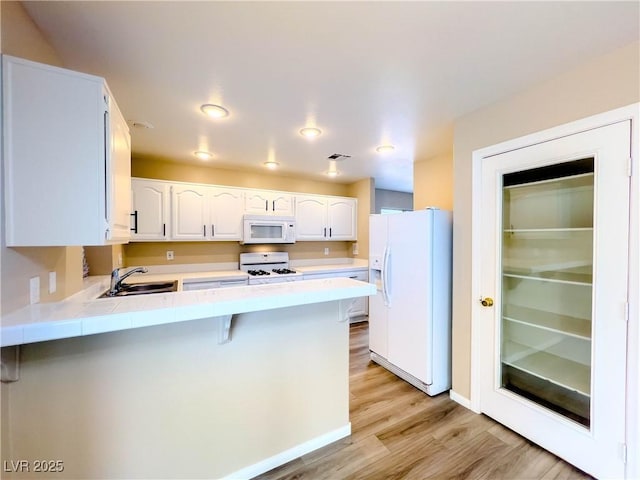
398, 432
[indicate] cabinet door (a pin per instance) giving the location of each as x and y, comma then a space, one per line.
256, 202
57, 128
281, 204
342, 219
119, 176
189, 212
311, 217
226, 206
268, 203
360, 306
150, 203
555, 260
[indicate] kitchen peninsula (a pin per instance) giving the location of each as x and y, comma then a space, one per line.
187, 396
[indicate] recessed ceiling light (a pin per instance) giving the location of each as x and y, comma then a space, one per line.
385, 148
202, 155
271, 164
310, 132
215, 111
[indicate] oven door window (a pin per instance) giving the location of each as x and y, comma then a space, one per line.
270, 231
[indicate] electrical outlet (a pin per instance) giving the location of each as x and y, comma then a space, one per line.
326, 250
355, 248
34, 290
119, 259
52, 283
169, 254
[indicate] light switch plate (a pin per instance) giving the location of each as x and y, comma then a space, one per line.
326, 251
34, 290
169, 254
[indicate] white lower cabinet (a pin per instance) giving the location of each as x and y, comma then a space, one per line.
150, 210
203, 213
190, 284
320, 218
360, 306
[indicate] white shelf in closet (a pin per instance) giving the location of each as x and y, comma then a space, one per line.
560, 371
575, 181
548, 230
564, 324
568, 278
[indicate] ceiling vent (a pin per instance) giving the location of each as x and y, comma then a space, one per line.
338, 156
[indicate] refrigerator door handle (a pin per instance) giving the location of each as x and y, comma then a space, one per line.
385, 275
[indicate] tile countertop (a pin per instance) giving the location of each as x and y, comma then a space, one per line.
333, 265
84, 314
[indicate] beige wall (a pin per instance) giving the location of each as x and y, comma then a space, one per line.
170, 402
20, 37
166, 170
604, 83
154, 253
433, 183
364, 191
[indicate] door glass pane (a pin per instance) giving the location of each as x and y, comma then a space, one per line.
547, 267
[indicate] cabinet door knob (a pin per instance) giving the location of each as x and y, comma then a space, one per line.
486, 302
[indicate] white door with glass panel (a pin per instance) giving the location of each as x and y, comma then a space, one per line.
555, 229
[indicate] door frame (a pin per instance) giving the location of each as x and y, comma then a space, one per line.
630, 112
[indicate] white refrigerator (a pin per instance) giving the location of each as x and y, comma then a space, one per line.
410, 317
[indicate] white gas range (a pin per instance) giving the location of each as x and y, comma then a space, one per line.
269, 267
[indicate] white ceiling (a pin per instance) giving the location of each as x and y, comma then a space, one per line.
366, 73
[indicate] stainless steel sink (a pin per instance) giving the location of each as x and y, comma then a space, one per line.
143, 289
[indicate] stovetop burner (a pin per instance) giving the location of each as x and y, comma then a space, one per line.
283, 271
258, 272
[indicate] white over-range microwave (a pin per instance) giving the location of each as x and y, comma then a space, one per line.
268, 229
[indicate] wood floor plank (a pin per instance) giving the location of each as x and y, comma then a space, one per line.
398, 432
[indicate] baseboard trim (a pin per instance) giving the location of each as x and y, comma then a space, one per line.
291, 454
464, 401
429, 389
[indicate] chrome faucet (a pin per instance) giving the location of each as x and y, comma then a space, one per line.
116, 279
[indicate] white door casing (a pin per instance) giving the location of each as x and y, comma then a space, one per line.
599, 451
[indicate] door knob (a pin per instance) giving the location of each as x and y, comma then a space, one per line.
487, 302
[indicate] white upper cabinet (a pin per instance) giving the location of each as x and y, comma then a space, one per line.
264, 202
226, 209
311, 217
320, 218
189, 212
67, 158
150, 209
342, 217
204, 213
